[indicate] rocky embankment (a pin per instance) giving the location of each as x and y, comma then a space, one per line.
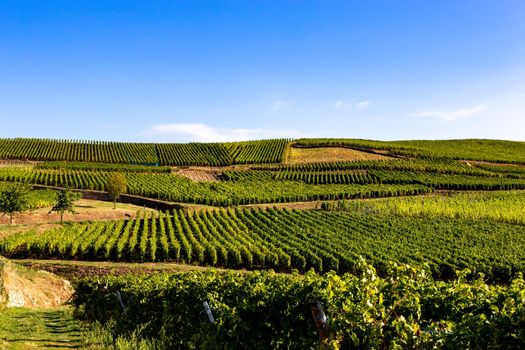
21, 287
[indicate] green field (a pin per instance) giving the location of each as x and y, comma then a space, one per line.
22, 329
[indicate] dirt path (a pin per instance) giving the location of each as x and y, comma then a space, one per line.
26, 329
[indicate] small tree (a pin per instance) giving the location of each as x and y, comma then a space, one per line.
116, 186
14, 199
65, 201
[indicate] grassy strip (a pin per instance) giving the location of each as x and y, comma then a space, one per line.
22, 329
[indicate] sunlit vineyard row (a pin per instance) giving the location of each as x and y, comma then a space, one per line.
439, 181
283, 239
421, 165
211, 154
253, 152
181, 154
87, 166
70, 150
504, 206
448, 182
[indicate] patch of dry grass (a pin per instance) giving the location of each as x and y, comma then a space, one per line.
85, 210
199, 175
328, 154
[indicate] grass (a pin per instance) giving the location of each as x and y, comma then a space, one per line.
27, 329
102, 337
23, 329
328, 154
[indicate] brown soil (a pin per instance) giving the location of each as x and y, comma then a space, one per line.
329, 154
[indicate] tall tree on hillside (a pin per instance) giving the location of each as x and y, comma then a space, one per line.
116, 186
14, 199
65, 201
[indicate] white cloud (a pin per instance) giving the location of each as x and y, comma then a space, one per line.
179, 132
362, 105
340, 104
280, 105
453, 115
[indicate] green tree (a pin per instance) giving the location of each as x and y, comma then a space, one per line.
65, 201
14, 199
116, 186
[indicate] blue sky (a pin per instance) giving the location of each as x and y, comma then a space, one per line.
230, 70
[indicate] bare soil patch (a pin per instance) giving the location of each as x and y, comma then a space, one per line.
329, 154
200, 175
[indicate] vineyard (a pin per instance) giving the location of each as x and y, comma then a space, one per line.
407, 310
88, 151
498, 151
273, 185
176, 188
283, 240
86, 166
452, 210
249, 152
504, 206
178, 154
